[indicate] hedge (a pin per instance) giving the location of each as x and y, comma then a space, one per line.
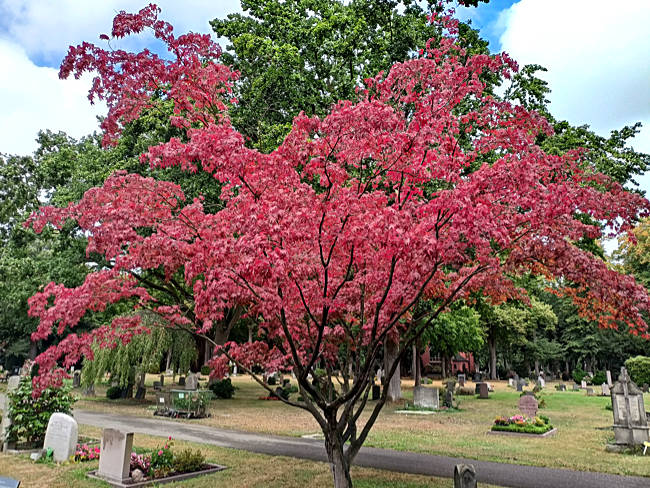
639, 369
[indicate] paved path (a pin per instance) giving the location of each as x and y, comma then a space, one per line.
501, 474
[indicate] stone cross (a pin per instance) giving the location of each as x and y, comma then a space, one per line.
426, 397
630, 423
61, 436
115, 455
464, 476
528, 405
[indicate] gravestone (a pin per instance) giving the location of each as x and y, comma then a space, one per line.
461, 380
12, 383
590, 392
140, 393
576, 387
157, 385
528, 405
483, 390
449, 394
376, 391
541, 382
477, 377
8, 482
115, 455
181, 381
645, 388
464, 476
61, 436
609, 378
425, 397
520, 385
76, 379
561, 387
605, 388
583, 384
234, 370
162, 380
511, 382
192, 382
630, 423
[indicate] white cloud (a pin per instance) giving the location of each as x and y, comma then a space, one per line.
33, 98
596, 52
45, 28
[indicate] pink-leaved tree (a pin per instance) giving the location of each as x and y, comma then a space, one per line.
426, 188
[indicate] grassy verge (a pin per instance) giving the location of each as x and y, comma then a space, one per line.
245, 470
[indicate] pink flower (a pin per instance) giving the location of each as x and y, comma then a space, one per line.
160, 453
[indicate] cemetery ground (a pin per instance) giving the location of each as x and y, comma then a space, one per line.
245, 470
584, 426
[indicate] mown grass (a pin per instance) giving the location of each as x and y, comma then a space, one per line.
584, 427
245, 470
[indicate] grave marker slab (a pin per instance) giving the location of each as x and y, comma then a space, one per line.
425, 397
605, 388
590, 392
461, 380
520, 385
192, 382
76, 379
583, 384
483, 390
511, 382
61, 436
528, 405
115, 455
630, 422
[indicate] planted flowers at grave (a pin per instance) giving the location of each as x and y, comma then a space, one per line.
540, 424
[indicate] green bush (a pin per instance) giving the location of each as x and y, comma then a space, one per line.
639, 369
223, 388
188, 461
31, 415
205, 370
578, 374
599, 378
114, 392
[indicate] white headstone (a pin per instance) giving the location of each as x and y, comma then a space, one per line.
191, 382
61, 435
234, 370
115, 455
511, 382
605, 388
426, 397
13, 382
542, 382
583, 384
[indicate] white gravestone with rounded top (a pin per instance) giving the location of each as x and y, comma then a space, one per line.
61, 436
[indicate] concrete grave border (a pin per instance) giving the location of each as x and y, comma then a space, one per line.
551, 432
212, 468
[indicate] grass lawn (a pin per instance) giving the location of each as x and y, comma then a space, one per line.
244, 470
584, 427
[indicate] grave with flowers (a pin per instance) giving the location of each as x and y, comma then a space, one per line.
121, 467
528, 423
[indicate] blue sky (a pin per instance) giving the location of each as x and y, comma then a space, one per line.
596, 55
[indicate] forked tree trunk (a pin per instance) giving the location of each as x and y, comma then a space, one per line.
338, 464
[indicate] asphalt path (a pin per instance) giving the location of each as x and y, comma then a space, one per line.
500, 474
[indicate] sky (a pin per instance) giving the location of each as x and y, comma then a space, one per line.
596, 53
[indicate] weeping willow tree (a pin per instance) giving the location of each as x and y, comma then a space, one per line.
145, 352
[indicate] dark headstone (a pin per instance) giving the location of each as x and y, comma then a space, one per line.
162, 380
140, 393
520, 385
483, 390
477, 389
645, 388
157, 385
461, 380
76, 379
464, 476
181, 381
477, 377
376, 392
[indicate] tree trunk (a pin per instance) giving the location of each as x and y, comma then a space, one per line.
394, 383
418, 364
443, 366
169, 360
536, 368
33, 351
250, 333
492, 346
338, 465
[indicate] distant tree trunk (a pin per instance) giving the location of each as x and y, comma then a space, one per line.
492, 346
536, 368
250, 333
443, 365
418, 364
393, 384
33, 351
168, 362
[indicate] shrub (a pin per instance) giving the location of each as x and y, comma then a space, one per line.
223, 388
599, 378
188, 461
578, 374
639, 369
30, 416
114, 392
205, 370
162, 460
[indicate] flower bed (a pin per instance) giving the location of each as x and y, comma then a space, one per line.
522, 425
